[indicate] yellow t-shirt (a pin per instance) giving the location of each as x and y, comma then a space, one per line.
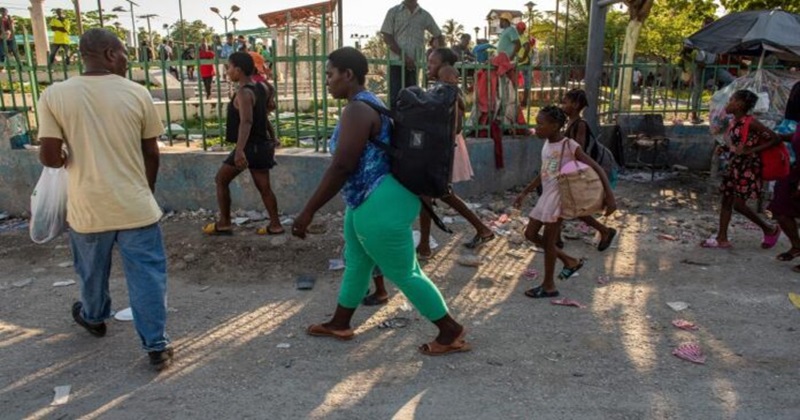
103, 120
60, 38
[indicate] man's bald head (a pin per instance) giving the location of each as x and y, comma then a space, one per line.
102, 50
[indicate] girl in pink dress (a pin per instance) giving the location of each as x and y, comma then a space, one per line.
547, 212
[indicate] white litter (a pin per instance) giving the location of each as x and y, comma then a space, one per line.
240, 221
65, 264
124, 315
61, 394
336, 265
432, 242
283, 346
678, 306
64, 283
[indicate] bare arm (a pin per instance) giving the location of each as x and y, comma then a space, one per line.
151, 161
517, 46
392, 43
354, 133
51, 153
762, 132
528, 189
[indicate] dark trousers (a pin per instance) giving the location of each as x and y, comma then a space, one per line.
207, 85
396, 81
8, 47
53, 53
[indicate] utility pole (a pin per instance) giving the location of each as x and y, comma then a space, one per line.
594, 58
340, 18
78, 19
100, 12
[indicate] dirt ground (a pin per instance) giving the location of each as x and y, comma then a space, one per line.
237, 323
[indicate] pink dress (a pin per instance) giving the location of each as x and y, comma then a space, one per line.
462, 168
548, 207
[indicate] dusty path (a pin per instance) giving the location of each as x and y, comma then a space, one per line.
233, 302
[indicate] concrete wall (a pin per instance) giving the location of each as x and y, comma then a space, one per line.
186, 180
690, 145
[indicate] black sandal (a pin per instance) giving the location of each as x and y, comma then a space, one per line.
567, 272
604, 244
478, 240
789, 255
538, 292
372, 300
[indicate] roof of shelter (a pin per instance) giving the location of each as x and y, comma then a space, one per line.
310, 14
496, 12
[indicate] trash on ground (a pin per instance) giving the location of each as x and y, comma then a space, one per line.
470, 260
516, 253
603, 279
64, 283
685, 325
284, 346
690, 352
3, 216
240, 220
22, 283
432, 242
448, 220
678, 306
395, 323
567, 302
667, 237
305, 282
124, 315
697, 263
405, 306
336, 264
61, 396
795, 299
531, 273
65, 264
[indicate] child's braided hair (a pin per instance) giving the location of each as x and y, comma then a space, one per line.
554, 113
749, 98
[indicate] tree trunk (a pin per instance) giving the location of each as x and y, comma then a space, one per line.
628, 52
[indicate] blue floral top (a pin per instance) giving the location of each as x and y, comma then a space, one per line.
374, 164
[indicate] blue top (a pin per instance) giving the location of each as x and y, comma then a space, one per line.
481, 52
374, 164
226, 50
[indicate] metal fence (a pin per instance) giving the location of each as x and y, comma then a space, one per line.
306, 114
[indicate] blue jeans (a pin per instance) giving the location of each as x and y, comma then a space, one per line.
145, 265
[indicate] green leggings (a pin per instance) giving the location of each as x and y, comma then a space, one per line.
379, 232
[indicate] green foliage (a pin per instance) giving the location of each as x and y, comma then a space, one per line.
669, 23
452, 30
194, 32
741, 5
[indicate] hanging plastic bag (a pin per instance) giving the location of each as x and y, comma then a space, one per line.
49, 205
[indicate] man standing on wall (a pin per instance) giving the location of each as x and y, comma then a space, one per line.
404, 32
110, 127
60, 27
8, 44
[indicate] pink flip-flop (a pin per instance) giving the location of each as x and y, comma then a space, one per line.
714, 244
770, 240
690, 352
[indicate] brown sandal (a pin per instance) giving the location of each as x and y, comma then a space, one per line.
458, 345
318, 330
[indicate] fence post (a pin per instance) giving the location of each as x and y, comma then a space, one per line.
219, 104
294, 88
315, 94
166, 101
200, 87
183, 95
275, 80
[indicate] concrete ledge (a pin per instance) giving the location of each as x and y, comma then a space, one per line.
186, 180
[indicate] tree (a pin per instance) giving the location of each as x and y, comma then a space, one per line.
638, 11
741, 5
191, 32
670, 22
452, 31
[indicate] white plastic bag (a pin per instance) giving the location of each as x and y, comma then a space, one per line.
49, 205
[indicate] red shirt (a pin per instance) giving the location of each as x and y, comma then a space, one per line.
206, 70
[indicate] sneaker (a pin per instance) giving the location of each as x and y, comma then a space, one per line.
161, 359
97, 330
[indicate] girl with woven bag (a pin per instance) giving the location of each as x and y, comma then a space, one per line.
565, 167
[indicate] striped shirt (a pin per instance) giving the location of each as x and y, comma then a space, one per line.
408, 29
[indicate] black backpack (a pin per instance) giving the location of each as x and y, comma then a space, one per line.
423, 140
597, 151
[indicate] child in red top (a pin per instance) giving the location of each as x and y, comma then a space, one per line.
206, 70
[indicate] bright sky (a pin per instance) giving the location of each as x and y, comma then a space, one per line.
360, 16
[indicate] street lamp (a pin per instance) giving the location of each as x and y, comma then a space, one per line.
234, 9
477, 30
530, 6
234, 21
133, 25
358, 37
149, 31
166, 28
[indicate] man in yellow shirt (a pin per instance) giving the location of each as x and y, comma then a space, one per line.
60, 27
110, 127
